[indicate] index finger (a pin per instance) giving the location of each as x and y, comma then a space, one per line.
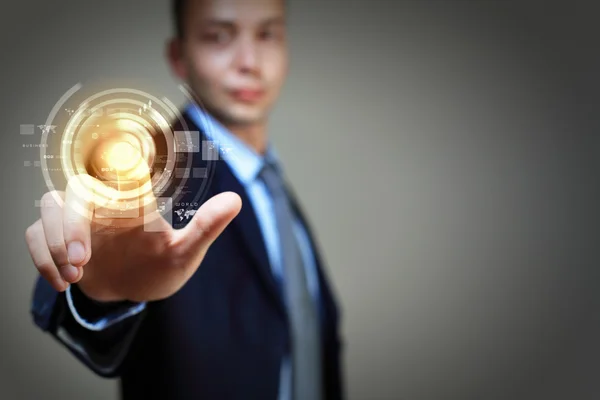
77, 217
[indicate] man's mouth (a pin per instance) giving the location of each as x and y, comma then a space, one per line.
247, 95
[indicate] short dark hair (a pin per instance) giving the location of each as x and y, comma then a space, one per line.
178, 11
179, 7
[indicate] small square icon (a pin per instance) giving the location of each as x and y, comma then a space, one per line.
164, 206
199, 173
210, 150
27, 129
187, 141
182, 173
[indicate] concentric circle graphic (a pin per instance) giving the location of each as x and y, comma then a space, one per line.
118, 151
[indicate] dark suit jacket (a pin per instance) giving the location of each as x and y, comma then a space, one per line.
222, 336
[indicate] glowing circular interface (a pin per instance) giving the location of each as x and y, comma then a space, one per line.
118, 151
123, 157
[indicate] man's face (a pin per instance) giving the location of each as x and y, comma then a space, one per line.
234, 56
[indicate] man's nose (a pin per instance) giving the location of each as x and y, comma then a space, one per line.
247, 57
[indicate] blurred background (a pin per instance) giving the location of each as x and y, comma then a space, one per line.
446, 152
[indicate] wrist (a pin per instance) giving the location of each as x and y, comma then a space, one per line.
98, 297
92, 310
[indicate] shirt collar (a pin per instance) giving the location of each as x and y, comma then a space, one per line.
244, 162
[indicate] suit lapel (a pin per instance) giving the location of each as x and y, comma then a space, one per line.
246, 224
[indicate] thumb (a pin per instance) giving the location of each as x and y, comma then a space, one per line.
208, 223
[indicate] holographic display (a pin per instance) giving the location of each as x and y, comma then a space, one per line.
118, 150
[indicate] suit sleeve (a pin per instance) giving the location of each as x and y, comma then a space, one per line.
98, 334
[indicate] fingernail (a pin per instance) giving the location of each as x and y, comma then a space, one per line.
60, 284
69, 273
76, 252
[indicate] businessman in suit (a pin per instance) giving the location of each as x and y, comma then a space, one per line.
235, 304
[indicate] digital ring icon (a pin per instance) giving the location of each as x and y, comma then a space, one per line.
117, 152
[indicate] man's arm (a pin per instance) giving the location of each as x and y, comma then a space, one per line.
98, 334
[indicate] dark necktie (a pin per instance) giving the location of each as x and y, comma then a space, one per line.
302, 311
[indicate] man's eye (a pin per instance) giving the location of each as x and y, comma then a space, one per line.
267, 35
216, 37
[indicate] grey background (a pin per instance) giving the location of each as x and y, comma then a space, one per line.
446, 152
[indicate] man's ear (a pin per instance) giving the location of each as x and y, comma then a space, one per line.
176, 59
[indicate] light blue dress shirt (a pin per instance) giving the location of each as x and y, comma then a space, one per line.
245, 164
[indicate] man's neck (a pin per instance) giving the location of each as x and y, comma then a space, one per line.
254, 136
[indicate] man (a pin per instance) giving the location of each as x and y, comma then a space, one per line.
235, 305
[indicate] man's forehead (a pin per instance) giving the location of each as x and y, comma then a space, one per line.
237, 10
